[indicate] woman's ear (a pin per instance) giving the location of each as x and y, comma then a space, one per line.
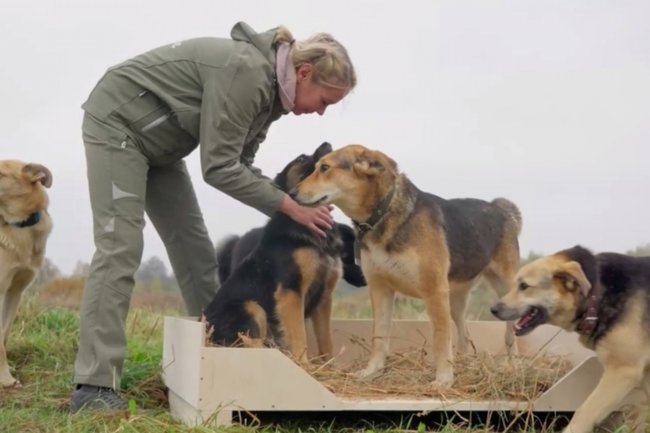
303, 72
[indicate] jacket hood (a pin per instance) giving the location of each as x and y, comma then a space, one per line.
262, 41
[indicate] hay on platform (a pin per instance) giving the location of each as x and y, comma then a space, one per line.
479, 376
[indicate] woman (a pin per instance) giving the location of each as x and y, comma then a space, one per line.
142, 118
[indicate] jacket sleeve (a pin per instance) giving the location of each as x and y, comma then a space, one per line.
249, 160
227, 111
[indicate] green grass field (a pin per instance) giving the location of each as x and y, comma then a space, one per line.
42, 347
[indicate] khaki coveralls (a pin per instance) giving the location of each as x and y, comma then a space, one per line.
141, 119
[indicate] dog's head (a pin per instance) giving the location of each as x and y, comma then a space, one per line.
550, 290
353, 178
22, 189
301, 167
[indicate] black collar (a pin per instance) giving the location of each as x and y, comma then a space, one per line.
31, 220
364, 227
588, 321
376, 216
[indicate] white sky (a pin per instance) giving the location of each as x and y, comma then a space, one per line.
545, 103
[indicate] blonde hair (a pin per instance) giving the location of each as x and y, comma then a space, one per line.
330, 60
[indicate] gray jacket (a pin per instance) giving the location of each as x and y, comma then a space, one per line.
221, 93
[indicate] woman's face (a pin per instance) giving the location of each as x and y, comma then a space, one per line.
312, 97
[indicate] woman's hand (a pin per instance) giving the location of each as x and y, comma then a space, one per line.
317, 219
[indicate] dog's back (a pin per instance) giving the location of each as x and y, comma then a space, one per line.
625, 281
475, 230
232, 251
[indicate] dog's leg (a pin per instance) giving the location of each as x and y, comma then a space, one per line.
382, 300
639, 411
6, 379
321, 318
616, 383
12, 298
438, 308
291, 312
458, 303
501, 283
9, 303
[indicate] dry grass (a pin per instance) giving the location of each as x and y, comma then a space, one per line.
479, 376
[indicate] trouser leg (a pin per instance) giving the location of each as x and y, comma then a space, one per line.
117, 177
174, 211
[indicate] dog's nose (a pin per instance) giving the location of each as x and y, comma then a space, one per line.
496, 309
293, 193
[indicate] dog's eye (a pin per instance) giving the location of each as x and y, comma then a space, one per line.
324, 168
523, 286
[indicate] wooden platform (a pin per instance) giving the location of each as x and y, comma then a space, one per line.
210, 383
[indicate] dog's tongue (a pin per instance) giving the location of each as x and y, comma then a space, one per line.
524, 320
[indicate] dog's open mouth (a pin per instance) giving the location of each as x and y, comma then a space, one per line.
532, 318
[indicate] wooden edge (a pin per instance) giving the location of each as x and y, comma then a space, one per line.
258, 379
568, 393
183, 341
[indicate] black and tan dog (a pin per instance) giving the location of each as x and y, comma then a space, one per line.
604, 297
280, 276
232, 251
417, 244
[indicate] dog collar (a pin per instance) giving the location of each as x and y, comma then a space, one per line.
589, 320
370, 223
31, 220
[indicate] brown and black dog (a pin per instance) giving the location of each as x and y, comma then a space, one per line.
279, 275
604, 297
24, 228
417, 244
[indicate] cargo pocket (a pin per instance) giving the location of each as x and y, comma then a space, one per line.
159, 135
134, 110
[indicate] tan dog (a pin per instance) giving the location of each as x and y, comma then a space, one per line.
417, 244
605, 298
24, 228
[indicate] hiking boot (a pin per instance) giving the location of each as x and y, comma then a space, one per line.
90, 397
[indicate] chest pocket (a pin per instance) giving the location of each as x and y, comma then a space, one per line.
155, 128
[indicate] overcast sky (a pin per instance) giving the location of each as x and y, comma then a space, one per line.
545, 103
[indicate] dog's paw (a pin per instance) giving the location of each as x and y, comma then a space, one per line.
367, 373
248, 341
10, 383
444, 379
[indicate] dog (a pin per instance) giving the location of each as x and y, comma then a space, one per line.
232, 251
417, 244
282, 274
606, 299
24, 228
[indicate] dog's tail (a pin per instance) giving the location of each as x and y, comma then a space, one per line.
224, 256
511, 210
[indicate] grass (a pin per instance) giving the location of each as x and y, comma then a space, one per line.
42, 347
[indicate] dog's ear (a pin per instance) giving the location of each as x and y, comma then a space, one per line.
372, 163
38, 173
572, 277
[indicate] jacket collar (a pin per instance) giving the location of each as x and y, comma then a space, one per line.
262, 41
